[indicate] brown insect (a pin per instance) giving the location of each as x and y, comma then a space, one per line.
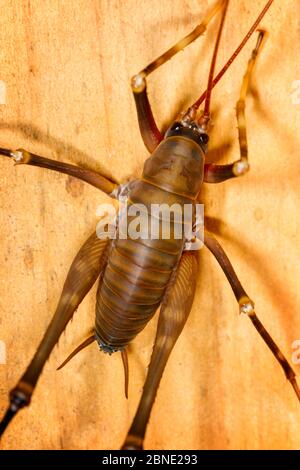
139, 276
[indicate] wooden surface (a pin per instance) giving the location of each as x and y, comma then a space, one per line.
67, 66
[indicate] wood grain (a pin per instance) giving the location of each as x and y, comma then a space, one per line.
67, 68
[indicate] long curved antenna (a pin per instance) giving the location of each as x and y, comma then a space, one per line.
206, 114
235, 54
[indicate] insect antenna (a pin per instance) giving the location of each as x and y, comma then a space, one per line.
79, 348
206, 114
234, 55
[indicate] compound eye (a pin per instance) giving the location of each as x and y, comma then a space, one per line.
204, 138
176, 126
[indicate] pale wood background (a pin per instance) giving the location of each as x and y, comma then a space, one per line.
67, 66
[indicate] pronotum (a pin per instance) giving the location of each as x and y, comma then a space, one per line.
258, 208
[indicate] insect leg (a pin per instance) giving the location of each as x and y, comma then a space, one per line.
21, 156
83, 272
174, 312
149, 130
247, 306
219, 173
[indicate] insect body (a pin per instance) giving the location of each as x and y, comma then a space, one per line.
138, 271
138, 276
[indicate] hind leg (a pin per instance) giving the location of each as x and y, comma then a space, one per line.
83, 272
173, 315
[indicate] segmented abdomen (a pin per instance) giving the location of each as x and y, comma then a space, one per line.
136, 276
138, 271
